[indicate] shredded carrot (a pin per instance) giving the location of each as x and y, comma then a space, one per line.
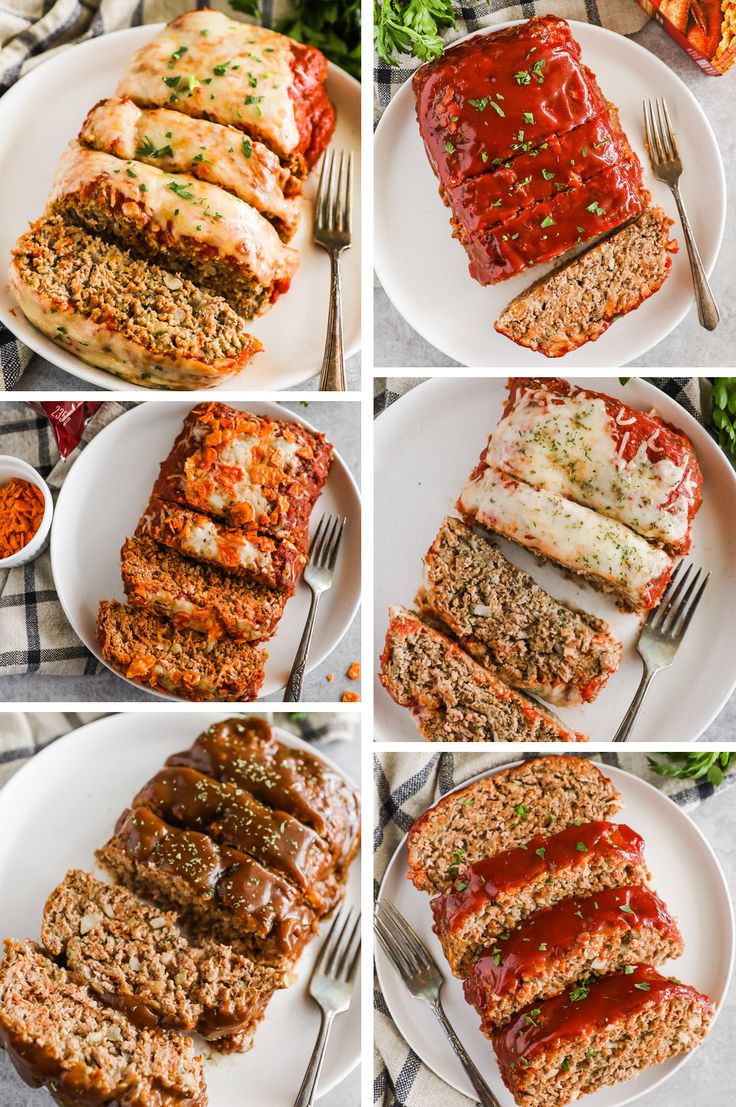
21, 511
350, 697
354, 671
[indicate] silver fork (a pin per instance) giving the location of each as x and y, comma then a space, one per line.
332, 231
331, 987
424, 980
665, 156
662, 634
318, 573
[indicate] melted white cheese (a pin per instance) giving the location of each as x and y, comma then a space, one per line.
238, 453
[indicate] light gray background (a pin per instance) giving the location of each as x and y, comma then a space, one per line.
397, 344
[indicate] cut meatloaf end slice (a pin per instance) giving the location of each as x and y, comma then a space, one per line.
123, 314
608, 932
194, 228
59, 1036
219, 892
599, 1034
196, 596
577, 302
510, 625
159, 655
460, 701
246, 752
133, 957
502, 811
499, 893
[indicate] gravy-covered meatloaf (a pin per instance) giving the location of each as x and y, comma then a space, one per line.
503, 811
268, 86
510, 625
121, 313
59, 1036
451, 696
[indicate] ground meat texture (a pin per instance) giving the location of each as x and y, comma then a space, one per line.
133, 318
510, 625
603, 933
59, 1036
599, 1034
452, 695
503, 811
495, 895
159, 655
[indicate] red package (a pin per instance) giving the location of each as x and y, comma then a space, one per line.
68, 420
705, 28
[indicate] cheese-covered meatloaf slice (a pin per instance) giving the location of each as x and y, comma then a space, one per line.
269, 86
178, 143
184, 224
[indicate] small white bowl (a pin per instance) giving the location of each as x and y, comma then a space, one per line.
13, 467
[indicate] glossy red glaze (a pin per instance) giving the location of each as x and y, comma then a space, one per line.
313, 111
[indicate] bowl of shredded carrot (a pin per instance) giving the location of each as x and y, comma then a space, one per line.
26, 508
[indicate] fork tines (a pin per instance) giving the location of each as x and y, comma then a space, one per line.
660, 134
338, 957
335, 193
674, 613
399, 940
326, 541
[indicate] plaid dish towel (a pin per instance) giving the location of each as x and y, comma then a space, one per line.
35, 636
406, 785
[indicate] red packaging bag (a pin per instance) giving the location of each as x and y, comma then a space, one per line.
706, 29
68, 418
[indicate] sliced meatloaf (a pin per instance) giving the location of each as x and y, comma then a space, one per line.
246, 752
220, 893
59, 1036
503, 811
120, 313
577, 302
497, 894
197, 596
422, 669
599, 1034
607, 932
510, 625
133, 957
194, 228
178, 143
159, 655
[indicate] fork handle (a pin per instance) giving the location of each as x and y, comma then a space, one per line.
305, 1097
485, 1096
708, 312
332, 377
294, 687
629, 718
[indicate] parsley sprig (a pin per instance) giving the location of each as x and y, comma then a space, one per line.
333, 26
694, 766
410, 27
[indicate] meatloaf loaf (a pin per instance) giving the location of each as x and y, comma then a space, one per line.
120, 313
59, 1036
503, 811
510, 625
607, 932
134, 957
599, 1034
498, 893
423, 670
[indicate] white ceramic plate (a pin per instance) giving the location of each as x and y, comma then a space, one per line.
104, 495
62, 806
426, 446
686, 874
425, 273
32, 139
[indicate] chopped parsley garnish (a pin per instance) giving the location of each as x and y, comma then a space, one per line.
484, 156
460, 886
449, 147
644, 987
542, 947
581, 992
628, 969
147, 149
247, 147
581, 847
540, 852
177, 55
497, 108
548, 221
566, 1065
131, 173
180, 190
250, 99
480, 105
496, 955
537, 69
547, 174
528, 117
626, 909
522, 811
595, 208
199, 159
523, 77
192, 82
221, 69
172, 82
584, 151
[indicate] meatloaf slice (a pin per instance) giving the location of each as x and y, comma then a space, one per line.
607, 932
497, 894
135, 958
159, 655
577, 302
59, 1036
510, 625
129, 316
422, 669
502, 811
599, 1034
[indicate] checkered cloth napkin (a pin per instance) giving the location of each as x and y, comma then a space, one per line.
405, 785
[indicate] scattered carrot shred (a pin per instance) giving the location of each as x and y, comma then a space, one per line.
354, 671
330, 676
350, 697
21, 511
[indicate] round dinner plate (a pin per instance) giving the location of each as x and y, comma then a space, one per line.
685, 873
33, 138
103, 498
425, 271
62, 806
427, 444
